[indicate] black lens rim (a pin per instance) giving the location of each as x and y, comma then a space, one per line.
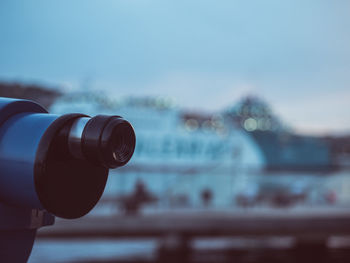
98, 140
118, 132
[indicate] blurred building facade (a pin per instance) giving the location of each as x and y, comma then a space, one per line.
282, 149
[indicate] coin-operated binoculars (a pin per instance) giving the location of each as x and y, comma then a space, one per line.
52, 165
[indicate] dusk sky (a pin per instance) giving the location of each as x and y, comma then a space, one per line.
206, 55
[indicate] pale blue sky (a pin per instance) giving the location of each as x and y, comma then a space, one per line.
205, 54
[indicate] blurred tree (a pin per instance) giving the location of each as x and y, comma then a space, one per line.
44, 96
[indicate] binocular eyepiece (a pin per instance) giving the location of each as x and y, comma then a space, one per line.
108, 141
58, 163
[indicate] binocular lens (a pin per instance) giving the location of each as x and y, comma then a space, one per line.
117, 142
104, 140
123, 145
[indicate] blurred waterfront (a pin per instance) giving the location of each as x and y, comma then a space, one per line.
236, 185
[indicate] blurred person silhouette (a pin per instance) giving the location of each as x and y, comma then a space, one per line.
132, 203
206, 196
